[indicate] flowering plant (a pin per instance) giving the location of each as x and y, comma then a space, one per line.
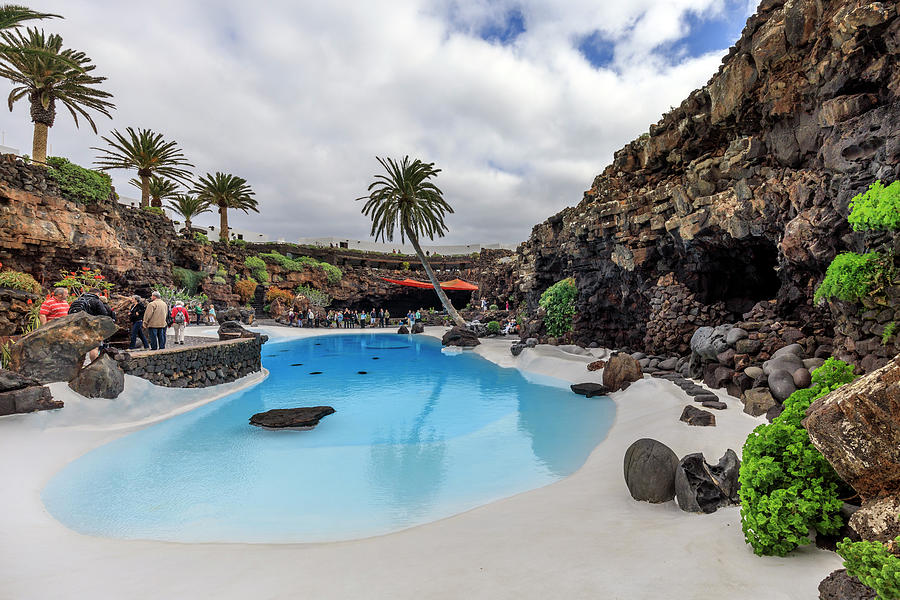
78, 282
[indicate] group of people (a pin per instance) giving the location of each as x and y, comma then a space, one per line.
341, 319
155, 316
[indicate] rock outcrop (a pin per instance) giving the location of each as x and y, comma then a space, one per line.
459, 336
621, 370
305, 417
103, 378
20, 394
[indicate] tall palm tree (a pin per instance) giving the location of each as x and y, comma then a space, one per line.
160, 189
45, 73
147, 152
12, 15
405, 199
226, 191
188, 206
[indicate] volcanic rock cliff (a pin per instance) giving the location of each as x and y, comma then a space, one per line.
741, 193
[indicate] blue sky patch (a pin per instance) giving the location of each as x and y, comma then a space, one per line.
710, 34
597, 49
505, 31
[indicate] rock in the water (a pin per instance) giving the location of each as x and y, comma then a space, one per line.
650, 471
841, 586
403, 330
459, 336
695, 416
103, 378
418, 328
232, 330
757, 401
878, 520
707, 342
781, 384
19, 394
701, 487
590, 389
531, 342
621, 370
55, 351
857, 429
305, 417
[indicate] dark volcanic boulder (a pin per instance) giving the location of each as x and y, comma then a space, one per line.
590, 389
418, 328
757, 401
840, 586
698, 417
103, 378
55, 351
305, 417
781, 384
516, 349
232, 330
402, 330
20, 394
650, 471
707, 342
459, 336
233, 313
701, 487
620, 371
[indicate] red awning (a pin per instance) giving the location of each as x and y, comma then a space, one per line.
453, 284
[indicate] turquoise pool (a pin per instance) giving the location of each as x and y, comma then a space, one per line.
418, 435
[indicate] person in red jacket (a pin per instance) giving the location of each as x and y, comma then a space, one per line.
180, 318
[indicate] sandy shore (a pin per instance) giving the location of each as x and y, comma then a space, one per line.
582, 537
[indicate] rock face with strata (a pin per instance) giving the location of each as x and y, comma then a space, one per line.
55, 351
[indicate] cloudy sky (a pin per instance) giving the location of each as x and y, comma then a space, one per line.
519, 102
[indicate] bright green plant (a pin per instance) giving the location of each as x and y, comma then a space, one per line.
333, 273
16, 280
404, 266
221, 271
154, 210
188, 279
851, 276
877, 209
493, 327
201, 237
257, 268
787, 486
559, 302
493, 307
218, 280
316, 297
301, 263
888, 332
77, 183
874, 565
171, 295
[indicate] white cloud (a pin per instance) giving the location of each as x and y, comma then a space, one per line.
299, 98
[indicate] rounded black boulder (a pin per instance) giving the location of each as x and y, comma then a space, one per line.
305, 417
418, 328
650, 471
403, 330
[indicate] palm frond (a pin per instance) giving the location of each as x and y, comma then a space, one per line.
145, 151
12, 15
226, 191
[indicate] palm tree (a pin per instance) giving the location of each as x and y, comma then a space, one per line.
160, 189
45, 73
226, 191
188, 206
148, 153
405, 199
12, 15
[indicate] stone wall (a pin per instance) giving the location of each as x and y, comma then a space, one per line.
14, 307
195, 366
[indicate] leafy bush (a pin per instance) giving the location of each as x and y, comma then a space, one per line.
218, 280
245, 288
888, 332
221, 271
301, 263
257, 268
171, 295
201, 237
493, 307
874, 565
77, 183
493, 327
238, 243
83, 279
17, 280
187, 279
851, 276
155, 210
274, 293
877, 209
787, 486
333, 273
404, 266
559, 302
315, 297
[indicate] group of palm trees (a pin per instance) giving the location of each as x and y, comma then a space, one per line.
47, 74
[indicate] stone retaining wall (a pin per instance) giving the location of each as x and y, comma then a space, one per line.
196, 366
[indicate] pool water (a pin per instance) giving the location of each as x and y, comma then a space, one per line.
417, 435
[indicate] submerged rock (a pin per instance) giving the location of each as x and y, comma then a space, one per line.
418, 328
403, 330
650, 471
701, 487
20, 394
305, 417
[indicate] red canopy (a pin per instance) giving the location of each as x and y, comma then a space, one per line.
453, 284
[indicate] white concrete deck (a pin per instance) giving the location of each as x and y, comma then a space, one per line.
582, 537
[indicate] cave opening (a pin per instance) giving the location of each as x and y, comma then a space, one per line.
406, 299
740, 275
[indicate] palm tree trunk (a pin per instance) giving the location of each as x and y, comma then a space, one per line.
223, 224
39, 143
442, 295
187, 225
145, 190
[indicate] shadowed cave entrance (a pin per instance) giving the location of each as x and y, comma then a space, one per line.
403, 299
739, 275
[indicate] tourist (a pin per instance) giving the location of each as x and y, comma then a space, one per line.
340, 319
155, 320
180, 319
507, 305
136, 318
55, 306
91, 303
290, 317
198, 309
311, 320
387, 318
211, 318
418, 315
483, 304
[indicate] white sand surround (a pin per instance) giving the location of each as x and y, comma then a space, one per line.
582, 537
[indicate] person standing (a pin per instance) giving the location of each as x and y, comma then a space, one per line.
311, 318
387, 318
212, 314
198, 310
155, 320
180, 319
91, 303
136, 317
55, 306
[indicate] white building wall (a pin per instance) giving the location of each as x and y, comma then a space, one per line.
369, 246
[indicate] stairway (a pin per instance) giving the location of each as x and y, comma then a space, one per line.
259, 301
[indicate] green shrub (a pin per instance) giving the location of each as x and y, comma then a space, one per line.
404, 266
154, 210
333, 273
170, 295
559, 302
493, 307
221, 271
877, 209
238, 243
851, 276
187, 279
201, 237
493, 327
888, 333
874, 565
301, 263
257, 268
218, 280
17, 280
787, 486
316, 298
77, 183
